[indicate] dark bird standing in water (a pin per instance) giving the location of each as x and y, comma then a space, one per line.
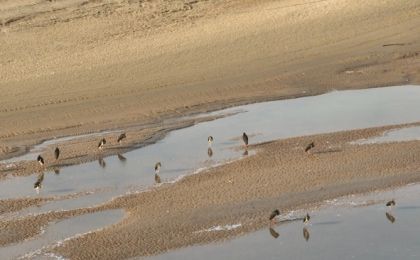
157, 178
309, 147
121, 158
390, 203
273, 233
40, 160
157, 167
245, 138
274, 214
306, 218
121, 137
38, 183
390, 217
56, 153
306, 234
209, 152
210, 140
101, 143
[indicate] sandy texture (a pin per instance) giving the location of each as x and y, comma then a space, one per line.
74, 66
280, 176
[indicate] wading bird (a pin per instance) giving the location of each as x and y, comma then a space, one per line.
390, 203
309, 147
101, 143
274, 214
210, 140
157, 167
121, 137
306, 234
56, 153
306, 218
40, 160
245, 139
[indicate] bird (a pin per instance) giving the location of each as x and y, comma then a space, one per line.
40, 160
157, 178
309, 147
306, 234
210, 140
390, 217
121, 158
121, 137
306, 218
157, 167
56, 153
274, 214
101, 143
38, 183
57, 171
273, 233
245, 153
245, 138
101, 162
390, 203
209, 152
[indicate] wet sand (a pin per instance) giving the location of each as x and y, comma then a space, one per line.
114, 64
280, 175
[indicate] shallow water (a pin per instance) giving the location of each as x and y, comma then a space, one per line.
58, 232
185, 151
397, 135
345, 228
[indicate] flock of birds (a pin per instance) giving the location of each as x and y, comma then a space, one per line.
210, 139
274, 215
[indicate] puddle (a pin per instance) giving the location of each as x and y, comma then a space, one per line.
397, 135
344, 228
54, 233
185, 151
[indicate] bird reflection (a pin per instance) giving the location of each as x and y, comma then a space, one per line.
57, 171
38, 183
157, 178
121, 158
390, 217
102, 162
273, 233
245, 153
306, 234
209, 152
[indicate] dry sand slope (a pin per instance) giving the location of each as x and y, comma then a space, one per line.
72, 66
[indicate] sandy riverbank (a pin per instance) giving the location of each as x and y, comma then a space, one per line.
71, 67
280, 175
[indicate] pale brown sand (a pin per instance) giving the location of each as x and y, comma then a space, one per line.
73, 66
280, 176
